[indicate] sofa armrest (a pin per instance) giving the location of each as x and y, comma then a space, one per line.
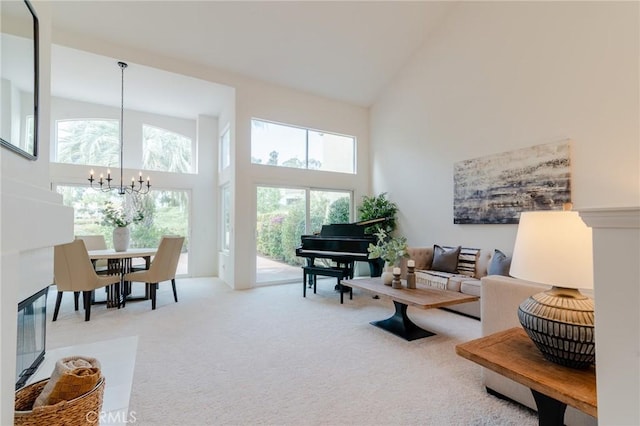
499, 301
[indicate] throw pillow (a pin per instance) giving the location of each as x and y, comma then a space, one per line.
467, 261
500, 264
445, 260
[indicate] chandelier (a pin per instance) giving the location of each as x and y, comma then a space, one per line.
137, 186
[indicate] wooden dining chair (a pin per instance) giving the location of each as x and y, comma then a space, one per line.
163, 267
73, 271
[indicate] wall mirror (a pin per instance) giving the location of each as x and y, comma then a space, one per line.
19, 73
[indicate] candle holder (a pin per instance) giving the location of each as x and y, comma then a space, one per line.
396, 283
411, 277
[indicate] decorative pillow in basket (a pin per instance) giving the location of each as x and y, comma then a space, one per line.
71, 396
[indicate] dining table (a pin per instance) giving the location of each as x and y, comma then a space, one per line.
121, 262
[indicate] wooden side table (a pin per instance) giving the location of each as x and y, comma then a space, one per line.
512, 354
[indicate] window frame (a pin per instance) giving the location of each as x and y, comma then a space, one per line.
307, 131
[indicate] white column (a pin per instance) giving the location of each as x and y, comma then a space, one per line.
616, 247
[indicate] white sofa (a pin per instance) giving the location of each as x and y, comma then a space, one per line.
499, 303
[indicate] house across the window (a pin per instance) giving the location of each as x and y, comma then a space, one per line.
289, 146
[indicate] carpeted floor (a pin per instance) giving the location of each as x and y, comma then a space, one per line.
267, 356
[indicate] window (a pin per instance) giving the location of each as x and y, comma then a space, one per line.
30, 133
165, 212
225, 154
94, 142
288, 146
166, 151
226, 218
283, 215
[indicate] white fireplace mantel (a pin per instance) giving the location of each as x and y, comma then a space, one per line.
33, 221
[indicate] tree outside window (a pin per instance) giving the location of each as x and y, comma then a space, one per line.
166, 151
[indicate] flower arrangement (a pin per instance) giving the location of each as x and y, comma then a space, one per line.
119, 217
389, 249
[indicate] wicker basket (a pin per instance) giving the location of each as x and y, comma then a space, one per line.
81, 411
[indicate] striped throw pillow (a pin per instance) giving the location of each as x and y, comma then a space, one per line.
467, 261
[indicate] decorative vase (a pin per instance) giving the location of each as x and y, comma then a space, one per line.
121, 238
387, 274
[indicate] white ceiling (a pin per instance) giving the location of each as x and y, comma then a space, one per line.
342, 50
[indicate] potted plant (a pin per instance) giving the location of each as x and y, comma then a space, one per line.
391, 250
377, 207
120, 218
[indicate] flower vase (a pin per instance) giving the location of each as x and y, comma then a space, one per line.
387, 274
121, 238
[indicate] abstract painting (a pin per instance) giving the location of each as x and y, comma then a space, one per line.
496, 188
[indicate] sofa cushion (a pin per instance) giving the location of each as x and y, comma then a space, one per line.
500, 264
471, 287
445, 260
455, 282
434, 279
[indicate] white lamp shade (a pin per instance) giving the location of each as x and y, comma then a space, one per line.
554, 248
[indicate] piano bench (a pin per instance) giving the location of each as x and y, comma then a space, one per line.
339, 273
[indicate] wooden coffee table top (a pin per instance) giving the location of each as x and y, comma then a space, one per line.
425, 298
512, 354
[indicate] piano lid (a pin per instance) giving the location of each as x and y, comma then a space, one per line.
355, 229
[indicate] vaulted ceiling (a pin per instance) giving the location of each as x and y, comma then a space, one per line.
342, 50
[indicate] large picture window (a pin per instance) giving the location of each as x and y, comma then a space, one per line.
289, 146
88, 141
166, 151
283, 215
166, 212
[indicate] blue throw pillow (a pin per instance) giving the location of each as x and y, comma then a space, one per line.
500, 264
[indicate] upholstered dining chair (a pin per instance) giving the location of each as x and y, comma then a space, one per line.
73, 271
163, 267
95, 242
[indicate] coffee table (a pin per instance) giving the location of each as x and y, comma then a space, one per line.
423, 297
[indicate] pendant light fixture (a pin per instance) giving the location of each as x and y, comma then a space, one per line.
137, 186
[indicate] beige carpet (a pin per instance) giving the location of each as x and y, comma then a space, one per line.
268, 356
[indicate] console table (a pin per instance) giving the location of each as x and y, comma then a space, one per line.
512, 354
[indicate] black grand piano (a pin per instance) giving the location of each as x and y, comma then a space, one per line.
342, 243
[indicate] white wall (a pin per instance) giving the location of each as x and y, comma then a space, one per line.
201, 185
498, 76
256, 100
33, 220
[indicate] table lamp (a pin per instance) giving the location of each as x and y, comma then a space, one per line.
555, 248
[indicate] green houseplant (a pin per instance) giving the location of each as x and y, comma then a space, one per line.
377, 207
389, 249
119, 217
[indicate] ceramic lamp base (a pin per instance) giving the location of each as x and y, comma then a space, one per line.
560, 322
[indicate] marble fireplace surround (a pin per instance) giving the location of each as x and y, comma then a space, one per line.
33, 221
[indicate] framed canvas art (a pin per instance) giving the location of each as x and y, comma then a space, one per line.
496, 188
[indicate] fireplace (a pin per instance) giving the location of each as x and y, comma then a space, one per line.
32, 327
